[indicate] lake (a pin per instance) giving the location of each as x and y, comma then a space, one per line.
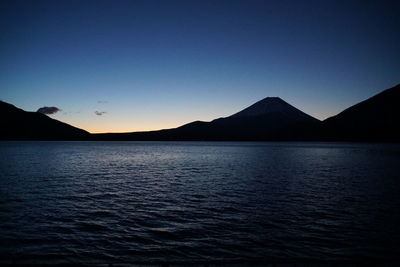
187, 202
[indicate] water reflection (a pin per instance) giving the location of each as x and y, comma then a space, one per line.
93, 202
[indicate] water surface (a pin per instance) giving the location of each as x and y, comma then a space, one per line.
124, 202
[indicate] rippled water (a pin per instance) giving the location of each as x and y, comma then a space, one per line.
124, 202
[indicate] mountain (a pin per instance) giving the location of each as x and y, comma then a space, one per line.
271, 105
268, 119
375, 119
17, 124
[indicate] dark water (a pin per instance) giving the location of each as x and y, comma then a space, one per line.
122, 202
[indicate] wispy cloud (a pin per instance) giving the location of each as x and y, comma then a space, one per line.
102, 101
100, 113
48, 110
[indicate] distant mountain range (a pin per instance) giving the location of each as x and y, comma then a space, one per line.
264, 120
270, 119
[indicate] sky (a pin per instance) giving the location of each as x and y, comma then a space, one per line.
123, 66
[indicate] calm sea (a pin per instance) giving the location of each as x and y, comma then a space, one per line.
130, 202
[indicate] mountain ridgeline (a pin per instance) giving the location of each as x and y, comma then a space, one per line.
375, 119
17, 124
265, 120
270, 119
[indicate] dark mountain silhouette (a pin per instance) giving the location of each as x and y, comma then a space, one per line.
375, 119
17, 124
265, 120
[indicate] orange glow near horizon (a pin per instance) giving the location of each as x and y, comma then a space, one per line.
111, 127
123, 127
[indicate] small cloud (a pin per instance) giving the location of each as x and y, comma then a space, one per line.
102, 102
99, 113
48, 110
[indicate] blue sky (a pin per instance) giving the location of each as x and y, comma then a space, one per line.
159, 64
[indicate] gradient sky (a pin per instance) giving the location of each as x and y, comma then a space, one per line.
159, 64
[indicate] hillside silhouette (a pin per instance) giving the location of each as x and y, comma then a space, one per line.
17, 124
270, 119
375, 119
